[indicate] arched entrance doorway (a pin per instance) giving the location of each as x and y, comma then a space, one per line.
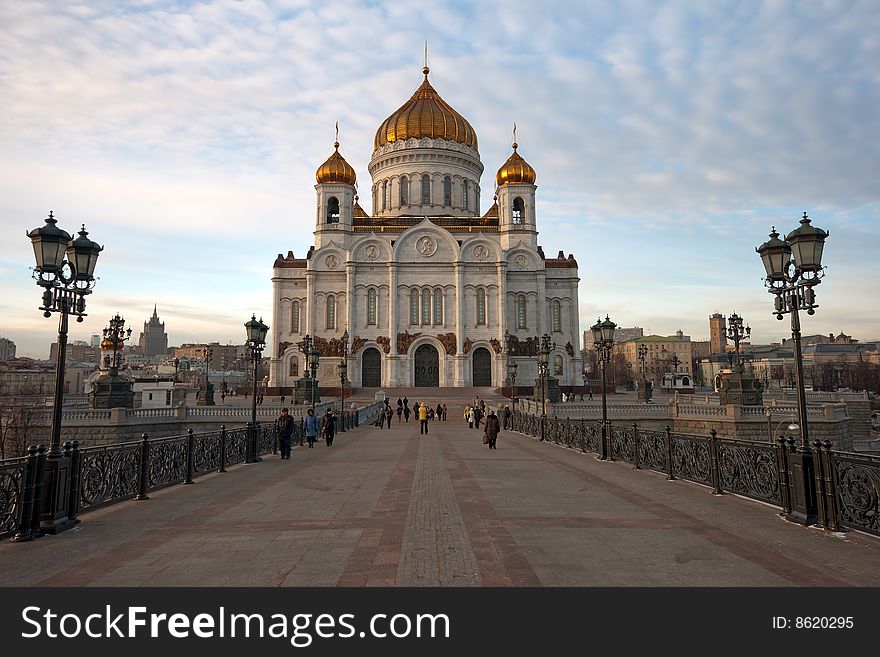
482, 368
371, 368
427, 370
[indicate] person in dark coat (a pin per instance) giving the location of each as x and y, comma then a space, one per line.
439, 414
493, 428
284, 427
406, 413
329, 427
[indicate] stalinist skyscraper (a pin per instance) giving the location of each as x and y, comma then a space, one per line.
154, 340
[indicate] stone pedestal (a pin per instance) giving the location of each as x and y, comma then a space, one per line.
553, 392
303, 389
737, 387
111, 391
646, 391
206, 394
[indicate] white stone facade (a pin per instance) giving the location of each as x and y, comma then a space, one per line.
425, 269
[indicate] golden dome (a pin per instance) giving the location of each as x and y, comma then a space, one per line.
426, 115
515, 170
107, 344
335, 170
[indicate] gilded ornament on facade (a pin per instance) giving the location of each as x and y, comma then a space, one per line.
466, 347
385, 342
496, 345
529, 347
356, 344
569, 348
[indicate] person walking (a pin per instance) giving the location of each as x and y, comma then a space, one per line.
388, 415
478, 415
284, 429
406, 413
439, 411
444, 412
472, 417
423, 418
329, 427
399, 410
506, 416
493, 428
310, 427
405, 402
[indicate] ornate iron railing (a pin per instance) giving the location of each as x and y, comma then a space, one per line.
12, 480
846, 485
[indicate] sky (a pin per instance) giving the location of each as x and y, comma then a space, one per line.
668, 137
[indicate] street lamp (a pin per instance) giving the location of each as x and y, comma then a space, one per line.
794, 268
603, 339
114, 336
543, 364
208, 399
736, 332
256, 341
312, 359
511, 366
176, 362
343, 371
65, 283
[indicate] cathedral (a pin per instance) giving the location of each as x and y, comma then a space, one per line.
430, 291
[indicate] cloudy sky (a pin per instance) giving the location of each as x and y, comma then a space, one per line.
667, 138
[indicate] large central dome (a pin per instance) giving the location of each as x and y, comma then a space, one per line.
426, 115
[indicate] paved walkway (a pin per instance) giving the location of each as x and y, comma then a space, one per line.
386, 507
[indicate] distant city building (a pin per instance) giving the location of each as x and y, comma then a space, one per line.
717, 333
22, 377
95, 341
77, 352
7, 349
621, 334
223, 357
154, 341
659, 356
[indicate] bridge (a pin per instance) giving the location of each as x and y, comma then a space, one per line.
390, 507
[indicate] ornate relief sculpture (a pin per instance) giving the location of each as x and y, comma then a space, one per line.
569, 349
385, 342
282, 346
466, 347
527, 348
449, 343
356, 344
404, 340
496, 345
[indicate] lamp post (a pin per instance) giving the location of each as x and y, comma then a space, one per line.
603, 338
65, 283
312, 359
115, 335
343, 371
736, 332
511, 366
208, 398
256, 341
543, 366
794, 268
176, 362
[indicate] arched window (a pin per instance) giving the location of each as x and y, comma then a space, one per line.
385, 202
332, 210
519, 211
293, 370
371, 306
481, 306
414, 307
294, 317
426, 306
447, 191
556, 316
404, 191
426, 189
521, 312
331, 313
438, 306
557, 366
464, 195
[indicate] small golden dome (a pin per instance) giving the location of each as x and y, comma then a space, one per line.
426, 115
335, 170
515, 170
107, 344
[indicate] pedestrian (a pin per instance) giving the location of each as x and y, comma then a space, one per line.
405, 402
329, 429
430, 413
282, 400
399, 410
472, 417
388, 415
284, 431
444, 412
564, 398
482, 408
591, 394
506, 416
423, 418
310, 427
439, 411
467, 411
406, 413
399, 402
492, 429
478, 415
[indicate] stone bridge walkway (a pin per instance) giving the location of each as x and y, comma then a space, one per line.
386, 507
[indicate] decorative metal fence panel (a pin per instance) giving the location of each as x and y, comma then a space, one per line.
622, 444
857, 487
692, 458
236, 446
108, 474
167, 465
12, 473
266, 439
207, 449
652, 450
750, 469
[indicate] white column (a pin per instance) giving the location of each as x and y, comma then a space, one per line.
310, 302
392, 306
275, 374
541, 310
